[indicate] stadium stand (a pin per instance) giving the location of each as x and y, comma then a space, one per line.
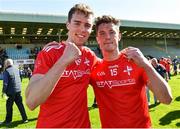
33, 31
15, 53
153, 51
3, 56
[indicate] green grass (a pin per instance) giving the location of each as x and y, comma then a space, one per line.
162, 116
16, 122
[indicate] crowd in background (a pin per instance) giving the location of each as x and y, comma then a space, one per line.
171, 64
34, 52
3, 56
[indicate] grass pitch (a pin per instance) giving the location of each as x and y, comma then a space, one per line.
162, 116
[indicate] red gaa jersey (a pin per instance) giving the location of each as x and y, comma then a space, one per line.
66, 107
119, 87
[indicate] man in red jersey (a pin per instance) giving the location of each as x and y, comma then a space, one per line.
61, 76
119, 80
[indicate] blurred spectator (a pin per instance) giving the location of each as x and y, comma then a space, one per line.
3, 56
29, 72
175, 63
12, 88
161, 70
21, 72
35, 51
168, 67
162, 61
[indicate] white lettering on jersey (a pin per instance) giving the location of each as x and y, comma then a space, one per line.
101, 73
48, 48
128, 70
75, 73
86, 62
115, 83
114, 72
78, 61
113, 66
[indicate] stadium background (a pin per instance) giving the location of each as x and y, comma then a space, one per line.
22, 36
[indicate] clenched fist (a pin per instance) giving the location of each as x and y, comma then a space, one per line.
71, 52
135, 55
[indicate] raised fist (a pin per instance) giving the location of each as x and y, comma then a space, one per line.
135, 55
71, 52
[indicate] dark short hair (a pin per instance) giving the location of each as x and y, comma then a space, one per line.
80, 8
106, 19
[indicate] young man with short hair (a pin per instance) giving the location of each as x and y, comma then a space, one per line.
61, 76
119, 80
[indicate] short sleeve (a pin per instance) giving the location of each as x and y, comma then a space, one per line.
42, 63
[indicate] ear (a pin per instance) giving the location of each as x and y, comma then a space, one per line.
97, 39
67, 25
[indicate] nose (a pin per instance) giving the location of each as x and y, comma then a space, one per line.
108, 36
83, 28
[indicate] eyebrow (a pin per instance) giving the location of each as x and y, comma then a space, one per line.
76, 21
100, 31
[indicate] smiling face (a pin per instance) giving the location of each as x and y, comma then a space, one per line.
108, 37
79, 28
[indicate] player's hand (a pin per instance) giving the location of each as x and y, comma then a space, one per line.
136, 55
71, 52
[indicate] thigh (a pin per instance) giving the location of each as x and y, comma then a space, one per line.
18, 98
10, 100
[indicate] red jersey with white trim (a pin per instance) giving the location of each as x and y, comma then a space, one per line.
119, 87
66, 107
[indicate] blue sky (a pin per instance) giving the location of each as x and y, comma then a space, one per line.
165, 11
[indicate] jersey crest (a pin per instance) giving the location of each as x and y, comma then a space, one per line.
128, 70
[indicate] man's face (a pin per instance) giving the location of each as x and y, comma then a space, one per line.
108, 37
154, 63
79, 28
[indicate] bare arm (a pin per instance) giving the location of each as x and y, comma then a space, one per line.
156, 83
41, 86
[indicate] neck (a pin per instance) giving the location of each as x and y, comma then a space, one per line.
111, 56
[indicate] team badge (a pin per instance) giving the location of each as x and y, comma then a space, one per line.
86, 62
128, 70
